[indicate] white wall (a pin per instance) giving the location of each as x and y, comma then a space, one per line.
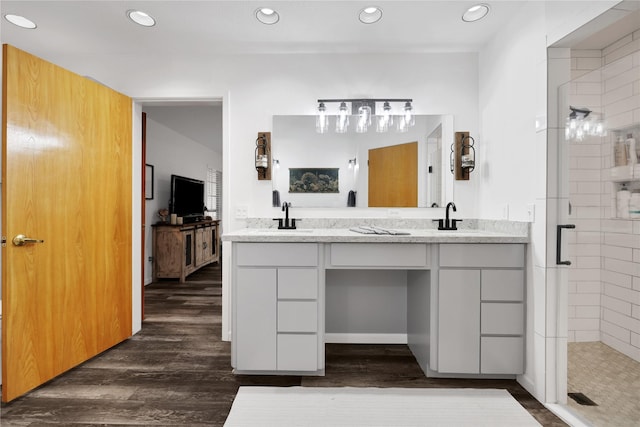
171, 153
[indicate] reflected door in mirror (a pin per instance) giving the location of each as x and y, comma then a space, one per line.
393, 176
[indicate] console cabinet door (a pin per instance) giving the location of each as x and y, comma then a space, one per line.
168, 252
199, 247
256, 319
459, 321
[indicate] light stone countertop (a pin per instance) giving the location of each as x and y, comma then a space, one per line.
344, 235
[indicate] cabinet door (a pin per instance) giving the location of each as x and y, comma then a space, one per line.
255, 326
189, 256
199, 246
502, 355
459, 321
213, 250
297, 352
207, 244
167, 253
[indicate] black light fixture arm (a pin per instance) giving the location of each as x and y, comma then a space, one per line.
367, 100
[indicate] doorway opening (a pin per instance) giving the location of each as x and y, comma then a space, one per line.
183, 138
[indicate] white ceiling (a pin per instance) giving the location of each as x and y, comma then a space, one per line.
209, 27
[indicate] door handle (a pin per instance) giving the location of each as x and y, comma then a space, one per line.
21, 240
559, 243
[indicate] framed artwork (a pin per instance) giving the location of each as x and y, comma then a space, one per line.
313, 180
148, 182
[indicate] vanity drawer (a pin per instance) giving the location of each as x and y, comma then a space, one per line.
502, 318
297, 283
502, 355
502, 285
277, 254
481, 255
297, 316
297, 352
379, 255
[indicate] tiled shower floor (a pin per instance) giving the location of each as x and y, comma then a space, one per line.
607, 377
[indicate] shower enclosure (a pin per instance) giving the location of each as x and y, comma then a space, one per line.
601, 167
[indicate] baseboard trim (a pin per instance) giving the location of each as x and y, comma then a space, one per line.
337, 338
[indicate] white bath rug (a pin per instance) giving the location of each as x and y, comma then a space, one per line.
350, 406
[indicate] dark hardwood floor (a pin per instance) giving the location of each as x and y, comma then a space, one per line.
177, 371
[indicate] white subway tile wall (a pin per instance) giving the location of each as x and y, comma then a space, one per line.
604, 278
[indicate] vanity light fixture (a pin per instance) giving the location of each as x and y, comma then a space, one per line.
20, 21
141, 18
475, 13
364, 111
370, 15
579, 124
267, 15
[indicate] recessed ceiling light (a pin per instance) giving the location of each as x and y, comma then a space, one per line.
20, 21
475, 13
370, 15
267, 16
141, 18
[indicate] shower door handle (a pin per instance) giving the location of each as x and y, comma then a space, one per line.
559, 243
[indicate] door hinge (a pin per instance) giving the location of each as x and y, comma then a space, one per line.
4, 241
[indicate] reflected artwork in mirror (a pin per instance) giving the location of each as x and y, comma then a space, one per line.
297, 147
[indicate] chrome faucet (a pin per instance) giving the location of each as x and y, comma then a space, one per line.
448, 224
286, 225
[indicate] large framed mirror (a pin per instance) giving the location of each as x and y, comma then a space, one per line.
338, 170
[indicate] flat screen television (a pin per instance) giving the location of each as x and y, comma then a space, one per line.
187, 198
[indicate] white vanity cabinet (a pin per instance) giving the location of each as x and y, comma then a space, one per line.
460, 310
481, 308
277, 324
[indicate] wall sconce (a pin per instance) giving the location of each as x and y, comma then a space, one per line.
352, 163
276, 163
262, 155
463, 156
365, 112
579, 125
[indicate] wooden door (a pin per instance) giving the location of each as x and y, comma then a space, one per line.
393, 176
66, 179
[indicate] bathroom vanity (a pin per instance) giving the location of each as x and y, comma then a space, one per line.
465, 296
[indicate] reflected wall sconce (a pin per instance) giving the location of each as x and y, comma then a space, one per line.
582, 123
262, 155
363, 112
352, 163
276, 163
463, 156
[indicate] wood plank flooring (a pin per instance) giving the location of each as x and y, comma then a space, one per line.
177, 370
